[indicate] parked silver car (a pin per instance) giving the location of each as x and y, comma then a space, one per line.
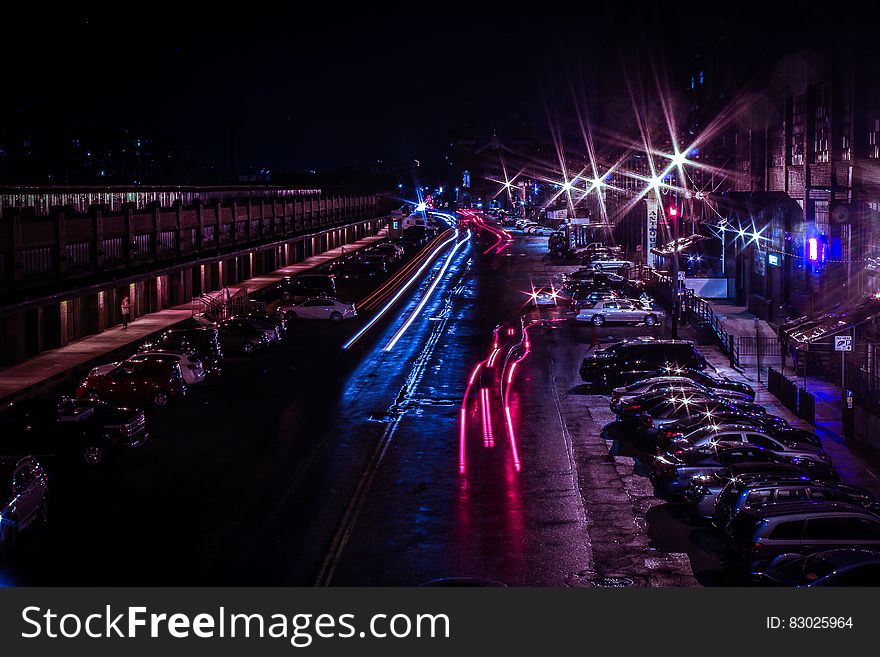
618, 310
603, 263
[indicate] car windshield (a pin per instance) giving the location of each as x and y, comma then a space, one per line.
810, 569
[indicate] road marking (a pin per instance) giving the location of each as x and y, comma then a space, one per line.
396, 411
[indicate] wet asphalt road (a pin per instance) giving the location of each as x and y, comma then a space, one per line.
307, 464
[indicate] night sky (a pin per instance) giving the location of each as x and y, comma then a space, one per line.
323, 87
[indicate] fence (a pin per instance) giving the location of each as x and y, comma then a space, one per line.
224, 304
796, 399
695, 310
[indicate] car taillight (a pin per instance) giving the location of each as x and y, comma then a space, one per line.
756, 547
632, 407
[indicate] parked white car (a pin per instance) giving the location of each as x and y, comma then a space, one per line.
318, 308
542, 230
601, 264
618, 310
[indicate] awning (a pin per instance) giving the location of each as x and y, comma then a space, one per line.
820, 328
684, 243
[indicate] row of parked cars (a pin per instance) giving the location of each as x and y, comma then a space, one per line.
530, 227
769, 488
105, 416
599, 298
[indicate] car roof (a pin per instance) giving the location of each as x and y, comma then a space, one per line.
777, 509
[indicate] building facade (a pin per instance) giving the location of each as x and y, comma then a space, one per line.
65, 268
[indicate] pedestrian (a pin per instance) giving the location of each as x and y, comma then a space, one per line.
126, 311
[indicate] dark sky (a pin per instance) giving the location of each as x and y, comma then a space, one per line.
327, 84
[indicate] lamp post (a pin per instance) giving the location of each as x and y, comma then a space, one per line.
673, 215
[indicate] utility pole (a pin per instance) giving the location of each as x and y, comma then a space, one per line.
673, 215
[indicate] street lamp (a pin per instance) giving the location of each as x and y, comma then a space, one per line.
673, 215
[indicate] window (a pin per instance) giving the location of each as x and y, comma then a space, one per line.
112, 248
167, 241
788, 530
825, 529
142, 244
790, 494
79, 254
37, 261
759, 496
761, 441
862, 529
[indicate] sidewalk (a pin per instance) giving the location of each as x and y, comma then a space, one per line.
860, 467
56, 364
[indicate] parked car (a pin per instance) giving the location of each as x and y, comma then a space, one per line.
703, 491
204, 341
70, 429
26, 500
393, 251
306, 286
770, 424
609, 263
841, 567
380, 262
136, 380
320, 308
632, 360
658, 414
618, 311
542, 230
191, 365
672, 474
709, 380
243, 336
741, 493
264, 321
355, 268
733, 433
760, 534
657, 382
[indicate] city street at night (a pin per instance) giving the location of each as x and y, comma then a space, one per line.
421, 297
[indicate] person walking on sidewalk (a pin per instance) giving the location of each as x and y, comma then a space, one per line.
125, 308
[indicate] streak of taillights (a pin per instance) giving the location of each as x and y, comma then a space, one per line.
493, 357
511, 433
463, 427
418, 309
399, 293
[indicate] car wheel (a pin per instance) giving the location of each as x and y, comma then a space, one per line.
92, 455
335, 316
650, 320
160, 398
598, 320
247, 348
597, 267
285, 295
290, 316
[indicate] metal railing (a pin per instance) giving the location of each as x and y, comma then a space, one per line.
695, 310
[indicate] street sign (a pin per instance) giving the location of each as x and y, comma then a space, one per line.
681, 275
842, 343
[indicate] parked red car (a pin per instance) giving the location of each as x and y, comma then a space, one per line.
136, 380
